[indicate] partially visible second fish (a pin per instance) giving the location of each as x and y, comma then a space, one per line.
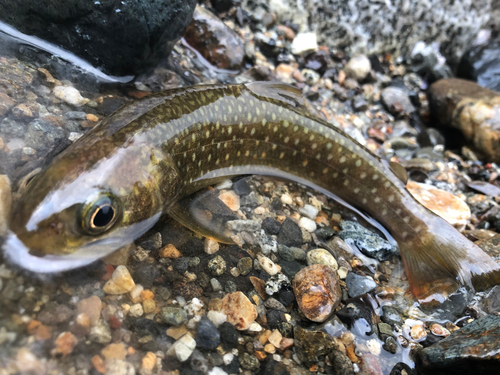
113, 184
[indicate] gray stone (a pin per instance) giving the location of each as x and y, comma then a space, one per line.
100, 332
249, 362
396, 100
43, 136
245, 265
358, 285
173, 315
246, 225
217, 265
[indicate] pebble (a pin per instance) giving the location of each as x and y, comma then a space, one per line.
70, 95
271, 226
309, 345
342, 272
249, 362
120, 283
149, 361
307, 224
239, 310
27, 363
183, 348
207, 335
5, 203
304, 42
173, 315
447, 205
149, 306
211, 246
290, 234
65, 343
358, 67
322, 256
317, 291
136, 310
169, 251
243, 225
397, 101
100, 333
268, 265
135, 293
114, 351
245, 265
216, 285
217, 265
418, 332
358, 285
230, 199
217, 317
91, 307
119, 367
439, 330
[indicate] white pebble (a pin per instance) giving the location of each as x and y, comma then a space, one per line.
211, 246
286, 199
136, 310
70, 95
268, 265
217, 371
216, 317
374, 347
135, 294
228, 358
194, 306
216, 285
307, 224
304, 42
255, 327
184, 347
310, 211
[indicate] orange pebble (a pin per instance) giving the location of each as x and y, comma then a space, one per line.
147, 294
99, 364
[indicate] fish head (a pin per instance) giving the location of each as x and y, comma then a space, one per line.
74, 213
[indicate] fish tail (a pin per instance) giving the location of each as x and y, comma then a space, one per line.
441, 260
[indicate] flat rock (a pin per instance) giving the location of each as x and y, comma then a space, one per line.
471, 109
317, 291
309, 345
472, 349
358, 285
241, 313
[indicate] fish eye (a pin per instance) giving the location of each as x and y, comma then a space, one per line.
101, 214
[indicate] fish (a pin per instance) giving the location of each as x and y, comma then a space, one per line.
114, 183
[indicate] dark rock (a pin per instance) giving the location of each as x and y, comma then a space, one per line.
427, 61
274, 318
245, 265
146, 274
43, 136
341, 363
390, 345
402, 369
271, 226
319, 61
430, 137
482, 65
229, 335
391, 315
290, 234
120, 37
485, 188
286, 297
354, 310
233, 367
359, 104
325, 233
192, 247
286, 253
276, 204
310, 345
241, 187
181, 264
223, 5
290, 268
286, 329
473, 349
215, 41
358, 285
368, 242
490, 303
275, 368
384, 330
249, 362
207, 335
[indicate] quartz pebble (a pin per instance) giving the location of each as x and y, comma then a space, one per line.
183, 348
317, 291
304, 42
268, 265
91, 307
239, 310
321, 256
135, 293
418, 332
211, 246
149, 361
307, 224
358, 67
5, 203
70, 95
120, 283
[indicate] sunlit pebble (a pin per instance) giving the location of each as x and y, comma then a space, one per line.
439, 330
418, 332
211, 246
342, 272
286, 199
307, 224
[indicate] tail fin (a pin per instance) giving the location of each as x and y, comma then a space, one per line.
441, 260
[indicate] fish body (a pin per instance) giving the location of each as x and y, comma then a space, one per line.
114, 183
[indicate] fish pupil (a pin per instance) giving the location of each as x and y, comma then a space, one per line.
103, 216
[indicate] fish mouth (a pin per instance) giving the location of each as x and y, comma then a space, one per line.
18, 254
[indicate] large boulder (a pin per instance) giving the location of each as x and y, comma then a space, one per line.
121, 37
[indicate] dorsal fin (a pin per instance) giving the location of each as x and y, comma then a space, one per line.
278, 91
399, 171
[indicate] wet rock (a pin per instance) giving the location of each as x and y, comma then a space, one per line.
231, 200
5, 203
239, 310
341, 363
217, 265
485, 188
474, 348
358, 67
271, 226
290, 234
169, 251
322, 256
182, 348
397, 101
207, 335
6, 103
358, 285
228, 335
402, 369
317, 291
366, 241
391, 315
490, 303
275, 283
471, 109
241, 187
245, 265
427, 60
451, 208
354, 310
482, 64
216, 42
173, 315
120, 283
249, 362
268, 265
310, 345
70, 95
43, 136
91, 307
118, 37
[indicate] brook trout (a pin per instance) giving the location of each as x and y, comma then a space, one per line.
113, 184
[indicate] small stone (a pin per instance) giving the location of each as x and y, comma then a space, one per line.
307, 224
100, 333
397, 101
211, 246
119, 367
321, 256
249, 362
358, 67
65, 343
176, 332
310, 345
391, 315
5, 203
183, 348
217, 266
317, 291
275, 338
445, 204
418, 332
245, 265
173, 315
148, 361
216, 285
243, 225
70, 95
342, 272
135, 293
304, 42
98, 364
207, 335
239, 310
27, 363
290, 234
136, 310
120, 283
358, 285
271, 226
309, 210
114, 351
439, 330
286, 199
6, 103
268, 265
149, 306
91, 307
169, 251
273, 303
230, 199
